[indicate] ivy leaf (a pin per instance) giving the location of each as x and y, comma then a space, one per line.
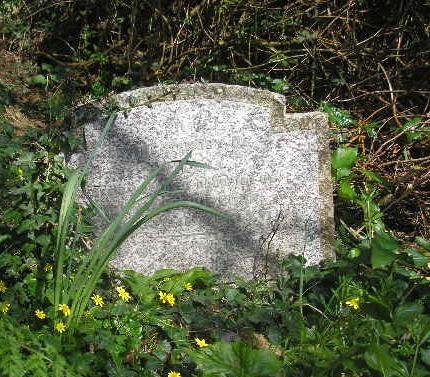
343, 159
371, 129
336, 116
383, 248
409, 128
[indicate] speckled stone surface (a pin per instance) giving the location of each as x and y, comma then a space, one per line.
271, 174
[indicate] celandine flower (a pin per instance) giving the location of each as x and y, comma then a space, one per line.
3, 287
167, 298
123, 294
188, 286
48, 267
40, 314
174, 374
60, 327
4, 307
98, 300
354, 303
170, 299
201, 343
162, 296
65, 309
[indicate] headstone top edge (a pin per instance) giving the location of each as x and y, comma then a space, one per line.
160, 93
275, 102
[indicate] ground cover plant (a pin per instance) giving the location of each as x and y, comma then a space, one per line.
366, 314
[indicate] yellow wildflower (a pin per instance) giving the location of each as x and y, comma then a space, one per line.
65, 309
3, 287
60, 327
88, 315
123, 294
4, 307
162, 296
188, 286
167, 298
174, 374
98, 300
170, 299
48, 267
40, 314
354, 303
201, 343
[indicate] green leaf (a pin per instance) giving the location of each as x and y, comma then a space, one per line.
425, 356
346, 191
237, 360
233, 295
47, 67
418, 258
43, 240
342, 173
140, 286
339, 117
373, 177
343, 159
383, 248
371, 129
379, 358
423, 243
354, 253
4, 237
38, 80
279, 85
376, 308
413, 135
176, 282
408, 312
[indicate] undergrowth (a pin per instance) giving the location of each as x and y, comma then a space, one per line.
366, 314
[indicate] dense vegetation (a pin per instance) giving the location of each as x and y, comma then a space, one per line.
364, 62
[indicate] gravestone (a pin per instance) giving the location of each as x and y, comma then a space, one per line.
270, 173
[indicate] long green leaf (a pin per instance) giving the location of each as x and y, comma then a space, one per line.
105, 238
64, 220
116, 234
102, 252
66, 217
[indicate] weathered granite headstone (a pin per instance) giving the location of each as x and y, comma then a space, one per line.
271, 174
